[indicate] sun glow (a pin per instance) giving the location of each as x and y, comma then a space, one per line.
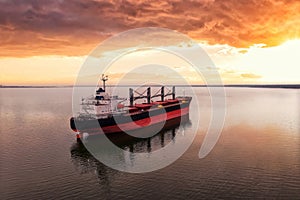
257, 64
275, 64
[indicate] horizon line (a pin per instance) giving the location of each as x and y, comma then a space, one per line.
288, 86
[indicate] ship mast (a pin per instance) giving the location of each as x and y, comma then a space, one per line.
104, 78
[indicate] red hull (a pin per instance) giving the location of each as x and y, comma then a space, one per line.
140, 124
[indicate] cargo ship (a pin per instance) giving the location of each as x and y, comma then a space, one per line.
106, 114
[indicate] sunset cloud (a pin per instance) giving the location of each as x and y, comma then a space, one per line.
75, 27
249, 75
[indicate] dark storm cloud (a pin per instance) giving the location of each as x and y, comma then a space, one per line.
74, 27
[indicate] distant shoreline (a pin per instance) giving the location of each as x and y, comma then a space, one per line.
283, 86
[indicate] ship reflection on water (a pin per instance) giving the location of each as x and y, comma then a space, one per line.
86, 162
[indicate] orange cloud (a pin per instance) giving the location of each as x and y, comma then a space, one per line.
75, 27
250, 75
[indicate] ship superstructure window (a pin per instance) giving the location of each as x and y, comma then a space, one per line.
99, 97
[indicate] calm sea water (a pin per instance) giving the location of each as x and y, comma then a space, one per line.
257, 155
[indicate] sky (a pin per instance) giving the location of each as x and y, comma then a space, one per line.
250, 41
